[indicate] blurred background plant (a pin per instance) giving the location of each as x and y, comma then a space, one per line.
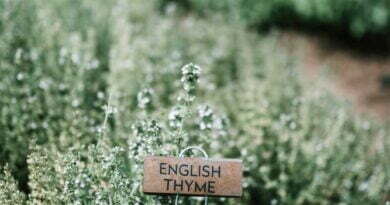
88, 88
358, 18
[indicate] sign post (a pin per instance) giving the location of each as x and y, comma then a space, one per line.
192, 176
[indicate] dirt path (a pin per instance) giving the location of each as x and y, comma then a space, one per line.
363, 80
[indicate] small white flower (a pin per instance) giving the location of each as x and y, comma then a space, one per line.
144, 98
189, 79
20, 76
176, 117
206, 117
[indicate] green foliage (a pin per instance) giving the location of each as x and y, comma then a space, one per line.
92, 87
9, 192
44, 64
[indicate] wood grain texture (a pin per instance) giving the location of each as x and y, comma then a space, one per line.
192, 176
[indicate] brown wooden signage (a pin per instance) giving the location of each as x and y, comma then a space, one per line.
192, 176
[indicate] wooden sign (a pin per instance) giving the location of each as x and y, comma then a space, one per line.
192, 176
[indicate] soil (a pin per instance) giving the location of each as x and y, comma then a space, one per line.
361, 77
